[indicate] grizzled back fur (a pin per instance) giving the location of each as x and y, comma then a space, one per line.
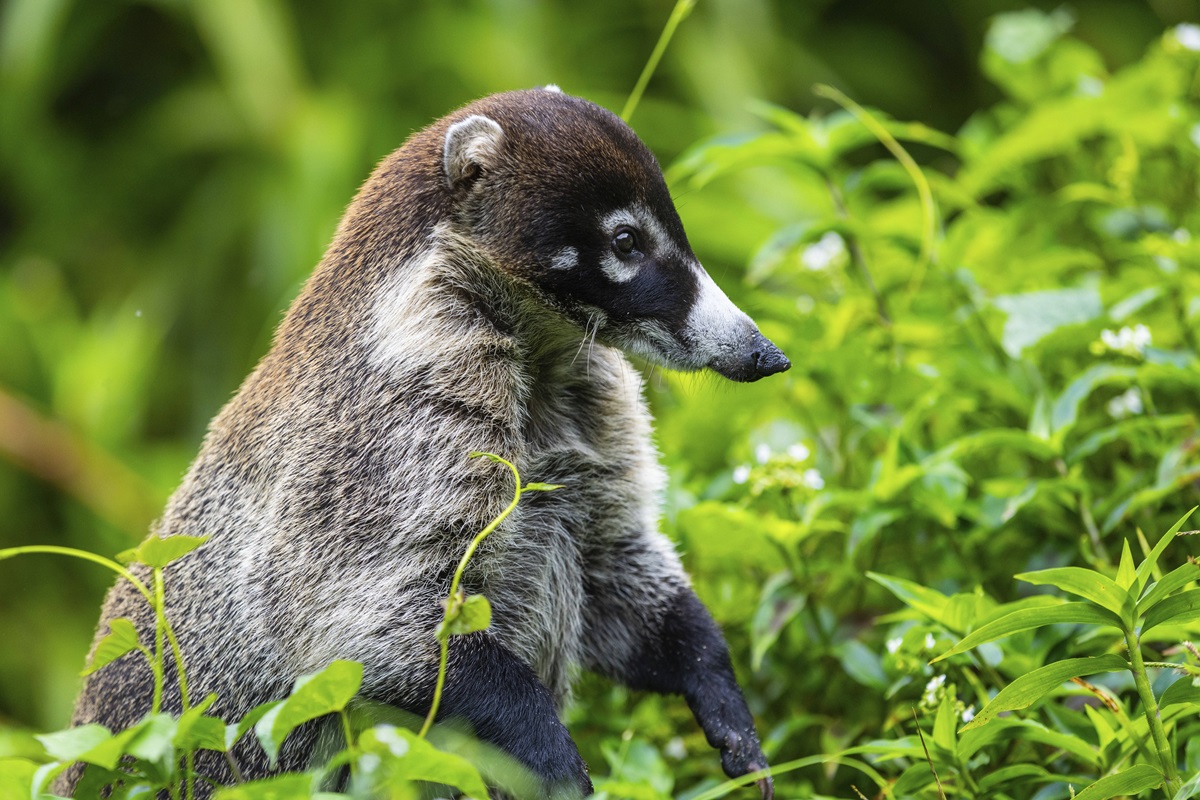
476, 296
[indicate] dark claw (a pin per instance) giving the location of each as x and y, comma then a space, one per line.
767, 787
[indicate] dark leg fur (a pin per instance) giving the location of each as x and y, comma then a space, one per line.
688, 656
506, 705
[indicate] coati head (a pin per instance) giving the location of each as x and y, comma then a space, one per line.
568, 198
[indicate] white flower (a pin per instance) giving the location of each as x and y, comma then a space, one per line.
812, 480
676, 749
822, 254
893, 645
931, 689
1188, 35
1131, 341
930, 642
968, 713
762, 453
798, 451
1128, 404
741, 473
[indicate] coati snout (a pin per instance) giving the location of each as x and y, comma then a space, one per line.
595, 230
336, 491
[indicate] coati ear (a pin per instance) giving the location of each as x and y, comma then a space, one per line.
472, 147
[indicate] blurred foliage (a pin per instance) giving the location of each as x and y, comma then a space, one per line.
1001, 381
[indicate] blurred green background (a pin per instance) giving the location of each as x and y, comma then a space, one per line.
170, 172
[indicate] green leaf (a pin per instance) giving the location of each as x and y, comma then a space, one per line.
72, 743
945, 734
1036, 315
1171, 582
16, 776
1031, 687
1024, 731
292, 786
313, 696
778, 606
1089, 585
198, 732
409, 757
1031, 618
234, 733
1015, 774
542, 487
1137, 778
929, 602
1146, 568
158, 551
1184, 690
474, 614
1125, 571
1189, 790
1065, 411
1183, 607
121, 638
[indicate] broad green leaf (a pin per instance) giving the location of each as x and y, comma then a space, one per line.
1065, 411
1031, 687
409, 757
1137, 778
235, 732
72, 743
158, 551
16, 777
1146, 568
475, 614
1183, 690
1178, 608
1125, 571
861, 663
1125, 431
313, 696
945, 733
121, 638
1171, 582
292, 786
1086, 583
1036, 315
929, 602
1030, 618
196, 731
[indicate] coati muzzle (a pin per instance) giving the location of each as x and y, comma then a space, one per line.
757, 359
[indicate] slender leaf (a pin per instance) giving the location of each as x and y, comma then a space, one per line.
929, 602
1182, 607
1125, 571
1031, 687
1089, 585
1146, 568
1031, 618
1137, 778
1184, 690
72, 743
1171, 582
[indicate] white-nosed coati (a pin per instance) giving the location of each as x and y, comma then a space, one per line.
477, 296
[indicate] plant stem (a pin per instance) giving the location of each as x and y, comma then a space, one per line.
444, 633
681, 10
1165, 755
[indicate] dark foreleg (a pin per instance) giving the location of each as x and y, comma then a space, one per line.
506, 705
685, 653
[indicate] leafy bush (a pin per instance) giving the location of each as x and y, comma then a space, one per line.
996, 360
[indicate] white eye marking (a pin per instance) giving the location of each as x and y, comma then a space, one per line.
652, 240
567, 258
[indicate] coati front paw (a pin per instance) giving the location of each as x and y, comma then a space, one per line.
741, 754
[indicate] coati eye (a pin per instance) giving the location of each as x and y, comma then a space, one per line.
625, 241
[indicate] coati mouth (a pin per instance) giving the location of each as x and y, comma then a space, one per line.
758, 359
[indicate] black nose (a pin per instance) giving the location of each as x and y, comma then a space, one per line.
768, 359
